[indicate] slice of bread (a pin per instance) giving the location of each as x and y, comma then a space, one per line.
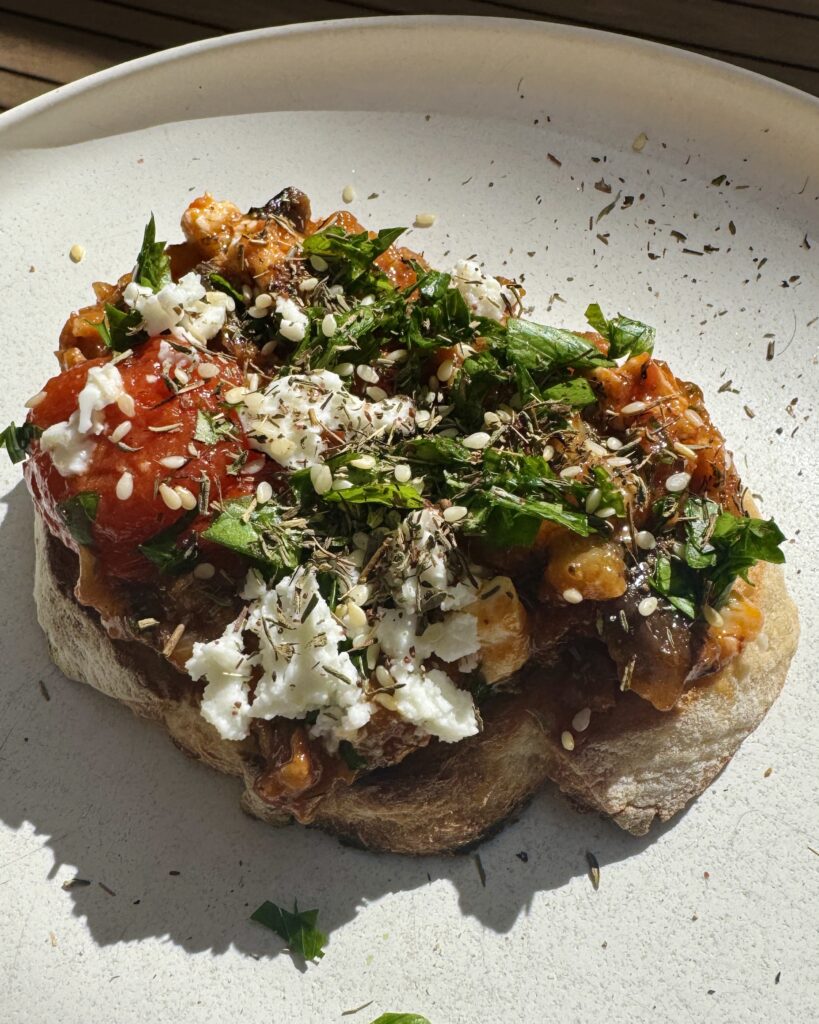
637, 764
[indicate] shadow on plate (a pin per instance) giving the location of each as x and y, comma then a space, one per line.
162, 841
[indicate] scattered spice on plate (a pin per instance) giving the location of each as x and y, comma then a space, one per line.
594, 870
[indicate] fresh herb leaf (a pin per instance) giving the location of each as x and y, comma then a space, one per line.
223, 285
400, 1018
153, 265
677, 584
257, 533
626, 337
349, 256
211, 428
740, 543
79, 513
351, 757
166, 553
16, 440
118, 329
437, 450
378, 492
506, 520
576, 393
298, 929
547, 349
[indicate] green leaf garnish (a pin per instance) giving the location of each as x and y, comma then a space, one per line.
257, 533
16, 440
351, 757
400, 1018
350, 257
153, 265
378, 492
166, 553
223, 285
118, 329
79, 513
547, 349
298, 929
211, 428
625, 337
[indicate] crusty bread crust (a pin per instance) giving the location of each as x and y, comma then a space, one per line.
639, 764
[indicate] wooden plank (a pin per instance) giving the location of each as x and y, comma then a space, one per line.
788, 39
16, 88
237, 15
810, 8
60, 54
156, 31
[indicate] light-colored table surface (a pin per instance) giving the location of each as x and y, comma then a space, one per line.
45, 43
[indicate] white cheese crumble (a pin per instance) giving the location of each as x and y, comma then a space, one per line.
289, 419
184, 308
70, 442
484, 295
298, 666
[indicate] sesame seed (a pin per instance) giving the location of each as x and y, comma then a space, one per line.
329, 326
355, 615
677, 482
633, 408
445, 370
308, 284
684, 450
647, 606
321, 478
257, 312
280, 449
364, 462
173, 461
204, 571
76, 253
235, 395
253, 467
646, 540
639, 143
398, 355
341, 483
125, 486
170, 497
570, 472
247, 293
477, 441
403, 473
422, 417
572, 595
35, 400
614, 444
361, 540
593, 499
596, 449
187, 498
606, 513
120, 431
263, 301
377, 394
694, 417
125, 404
348, 193
491, 419
181, 376
383, 676
344, 369
425, 220
367, 373
264, 492
618, 462
455, 513
548, 452
712, 616
207, 370
567, 740
580, 722
318, 263
373, 652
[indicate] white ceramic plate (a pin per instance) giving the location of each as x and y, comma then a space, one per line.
502, 128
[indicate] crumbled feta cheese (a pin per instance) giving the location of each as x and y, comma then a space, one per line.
302, 668
484, 295
70, 442
289, 419
294, 321
181, 307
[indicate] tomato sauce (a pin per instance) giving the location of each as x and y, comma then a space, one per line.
122, 525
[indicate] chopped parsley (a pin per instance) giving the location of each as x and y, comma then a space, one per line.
298, 929
625, 337
258, 533
16, 440
165, 550
79, 514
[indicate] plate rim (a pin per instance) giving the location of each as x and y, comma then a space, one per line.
789, 95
